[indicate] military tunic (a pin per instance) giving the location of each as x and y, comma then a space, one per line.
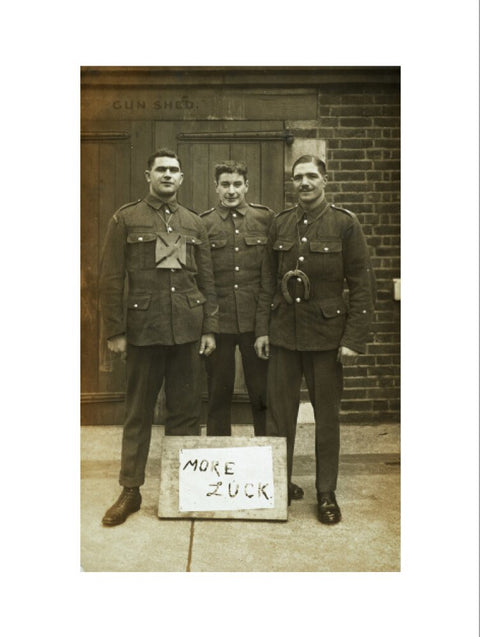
310, 320
328, 245
168, 309
237, 239
165, 306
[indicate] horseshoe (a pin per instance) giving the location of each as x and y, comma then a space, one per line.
297, 274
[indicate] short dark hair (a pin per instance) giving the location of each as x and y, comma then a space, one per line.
307, 159
230, 166
163, 152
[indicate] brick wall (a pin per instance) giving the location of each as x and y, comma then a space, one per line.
361, 128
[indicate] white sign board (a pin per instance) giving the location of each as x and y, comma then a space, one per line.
226, 479
223, 477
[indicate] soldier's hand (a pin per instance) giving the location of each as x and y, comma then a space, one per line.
262, 347
207, 344
346, 355
117, 344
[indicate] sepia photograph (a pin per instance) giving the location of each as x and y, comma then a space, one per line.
234, 399
240, 284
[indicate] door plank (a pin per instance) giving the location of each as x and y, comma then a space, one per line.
89, 266
272, 187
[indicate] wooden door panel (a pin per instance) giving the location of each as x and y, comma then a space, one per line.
105, 182
264, 160
113, 174
89, 267
272, 172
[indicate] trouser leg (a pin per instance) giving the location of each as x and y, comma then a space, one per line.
324, 376
255, 371
182, 390
145, 368
283, 397
220, 366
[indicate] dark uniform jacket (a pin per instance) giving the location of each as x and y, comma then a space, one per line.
328, 246
165, 306
238, 239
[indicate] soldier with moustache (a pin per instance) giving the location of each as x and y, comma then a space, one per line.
237, 233
313, 249
161, 250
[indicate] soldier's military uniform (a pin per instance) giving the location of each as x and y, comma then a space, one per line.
163, 250
310, 319
237, 239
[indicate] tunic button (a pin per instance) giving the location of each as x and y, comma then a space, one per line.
237, 249
280, 247
135, 305
236, 286
301, 258
258, 241
304, 239
338, 311
172, 289
140, 238
213, 245
198, 300
237, 269
326, 249
364, 311
237, 231
298, 299
272, 305
193, 240
305, 221
299, 280
234, 214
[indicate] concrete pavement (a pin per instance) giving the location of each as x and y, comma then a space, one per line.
367, 539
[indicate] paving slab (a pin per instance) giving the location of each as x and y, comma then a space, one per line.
367, 539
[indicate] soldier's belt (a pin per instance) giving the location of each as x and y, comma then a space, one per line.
170, 251
298, 274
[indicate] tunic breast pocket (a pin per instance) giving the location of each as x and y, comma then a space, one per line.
285, 256
255, 249
141, 249
328, 257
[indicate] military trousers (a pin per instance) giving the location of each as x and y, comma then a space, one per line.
220, 366
148, 367
324, 378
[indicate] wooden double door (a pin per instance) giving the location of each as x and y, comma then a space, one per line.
113, 161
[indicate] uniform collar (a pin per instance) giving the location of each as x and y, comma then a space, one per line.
157, 203
314, 213
224, 211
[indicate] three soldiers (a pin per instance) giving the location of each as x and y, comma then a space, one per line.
239, 275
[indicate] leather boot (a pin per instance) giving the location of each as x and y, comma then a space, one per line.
128, 502
294, 492
328, 509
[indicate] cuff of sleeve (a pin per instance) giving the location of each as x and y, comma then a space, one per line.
356, 347
210, 325
261, 330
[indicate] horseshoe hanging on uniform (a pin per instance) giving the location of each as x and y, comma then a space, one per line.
299, 275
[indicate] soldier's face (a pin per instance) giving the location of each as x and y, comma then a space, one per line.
231, 189
308, 182
165, 177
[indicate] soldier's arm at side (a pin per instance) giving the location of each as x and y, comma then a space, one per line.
206, 285
360, 280
266, 293
112, 280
